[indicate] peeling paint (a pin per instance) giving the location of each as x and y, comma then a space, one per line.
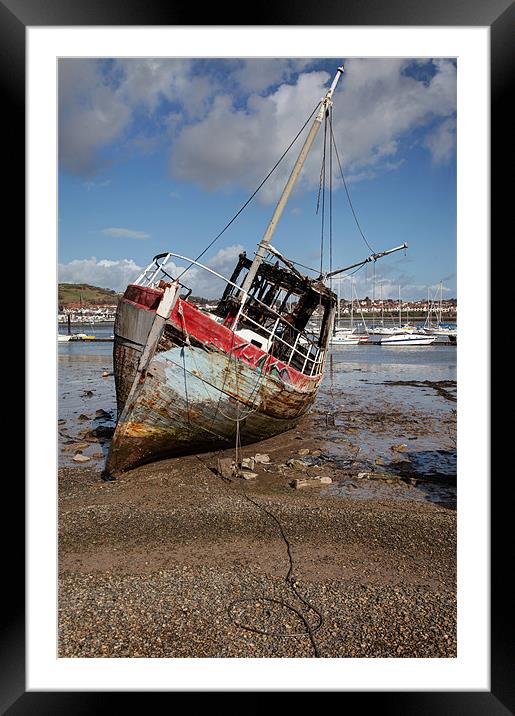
195, 390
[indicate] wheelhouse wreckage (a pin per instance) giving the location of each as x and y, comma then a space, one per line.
189, 380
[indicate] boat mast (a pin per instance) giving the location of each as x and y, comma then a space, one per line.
262, 247
400, 309
352, 303
339, 299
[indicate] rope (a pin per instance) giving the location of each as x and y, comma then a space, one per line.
289, 579
321, 188
346, 189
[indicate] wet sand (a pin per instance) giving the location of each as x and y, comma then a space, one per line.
172, 560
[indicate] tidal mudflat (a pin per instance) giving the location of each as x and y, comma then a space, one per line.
175, 560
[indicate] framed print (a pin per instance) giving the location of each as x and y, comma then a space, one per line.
45, 49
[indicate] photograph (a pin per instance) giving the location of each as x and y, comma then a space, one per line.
258, 457
257, 336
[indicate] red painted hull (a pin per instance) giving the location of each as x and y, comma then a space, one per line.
201, 381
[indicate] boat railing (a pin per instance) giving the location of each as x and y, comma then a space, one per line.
304, 352
155, 272
305, 349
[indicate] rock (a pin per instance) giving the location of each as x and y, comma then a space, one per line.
226, 467
316, 453
297, 484
309, 482
248, 463
83, 416
297, 464
248, 475
261, 458
383, 476
399, 448
103, 414
304, 451
102, 431
81, 458
363, 475
379, 461
88, 394
106, 374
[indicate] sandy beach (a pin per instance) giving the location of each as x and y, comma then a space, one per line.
174, 560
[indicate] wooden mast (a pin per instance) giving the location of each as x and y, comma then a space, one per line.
263, 245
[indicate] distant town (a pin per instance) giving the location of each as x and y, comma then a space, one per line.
82, 303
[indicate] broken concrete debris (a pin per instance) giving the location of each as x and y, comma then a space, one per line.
310, 482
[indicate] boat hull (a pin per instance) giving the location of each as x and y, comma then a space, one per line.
408, 339
201, 387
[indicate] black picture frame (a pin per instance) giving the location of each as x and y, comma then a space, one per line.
15, 17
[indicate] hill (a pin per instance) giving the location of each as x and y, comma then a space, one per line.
69, 294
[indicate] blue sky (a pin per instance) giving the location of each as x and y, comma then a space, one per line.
159, 154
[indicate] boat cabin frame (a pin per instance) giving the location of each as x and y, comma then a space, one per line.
261, 315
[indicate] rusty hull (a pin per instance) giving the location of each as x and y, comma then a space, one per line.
201, 380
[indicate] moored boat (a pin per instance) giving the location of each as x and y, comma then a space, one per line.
407, 339
346, 339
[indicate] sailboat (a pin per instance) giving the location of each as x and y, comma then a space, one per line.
405, 335
346, 336
190, 380
343, 335
440, 330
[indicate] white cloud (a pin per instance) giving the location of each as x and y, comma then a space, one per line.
128, 233
228, 121
91, 115
389, 276
203, 283
98, 102
89, 185
117, 274
104, 273
442, 141
257, 76
376, 104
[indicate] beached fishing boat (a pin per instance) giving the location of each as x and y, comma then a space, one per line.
190, 380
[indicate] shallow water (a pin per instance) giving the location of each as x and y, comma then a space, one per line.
406, 430
82, 391
358, 416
